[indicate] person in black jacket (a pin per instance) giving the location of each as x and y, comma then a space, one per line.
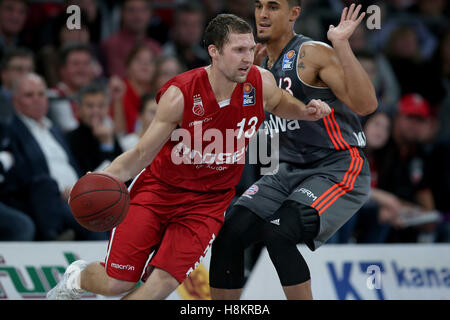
47, 170
94, 143
15, 225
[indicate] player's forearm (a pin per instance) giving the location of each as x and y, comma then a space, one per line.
360, 88
290, 108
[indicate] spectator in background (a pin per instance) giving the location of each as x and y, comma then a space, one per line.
433, 13
166, 67
135, 18
186, 36
443, 60
147, 113
383, 79
402, 169
75, 71
62, 36
98, 18
242, 8
14, 224
15, 63
140, 66
50, 168
414, 73
13, 14
94, 143
370, 224
212, 8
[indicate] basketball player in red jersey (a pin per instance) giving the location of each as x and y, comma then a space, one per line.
178, 201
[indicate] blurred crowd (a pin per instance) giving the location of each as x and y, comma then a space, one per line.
71, 100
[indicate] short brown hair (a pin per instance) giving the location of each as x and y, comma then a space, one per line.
220, 27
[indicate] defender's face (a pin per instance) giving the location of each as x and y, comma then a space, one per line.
272, 19
237, 56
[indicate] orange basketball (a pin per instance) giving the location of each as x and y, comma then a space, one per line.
99, 201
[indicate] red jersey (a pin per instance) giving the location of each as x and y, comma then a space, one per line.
209, 153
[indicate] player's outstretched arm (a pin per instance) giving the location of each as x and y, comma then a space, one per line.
340, 69
282, 104
168, 116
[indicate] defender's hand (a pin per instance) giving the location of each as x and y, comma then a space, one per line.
316, 110
347, 25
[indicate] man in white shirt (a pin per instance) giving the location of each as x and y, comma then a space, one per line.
51, 166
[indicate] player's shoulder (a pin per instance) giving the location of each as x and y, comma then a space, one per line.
317, 47
317, 52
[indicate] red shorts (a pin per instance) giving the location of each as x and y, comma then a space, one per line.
179, 224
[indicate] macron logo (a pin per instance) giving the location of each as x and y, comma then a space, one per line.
122, 267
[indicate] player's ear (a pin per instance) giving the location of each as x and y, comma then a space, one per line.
295, 13
213, 51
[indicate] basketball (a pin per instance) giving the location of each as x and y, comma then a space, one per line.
99, 202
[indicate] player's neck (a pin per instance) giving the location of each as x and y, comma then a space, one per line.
222, 87
276, 46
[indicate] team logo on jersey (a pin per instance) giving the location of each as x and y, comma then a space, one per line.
288, 61
249, 95
252, 190
198, 108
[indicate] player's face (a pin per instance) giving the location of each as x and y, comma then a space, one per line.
237, 56
272, 19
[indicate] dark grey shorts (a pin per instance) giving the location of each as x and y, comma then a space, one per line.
336, 186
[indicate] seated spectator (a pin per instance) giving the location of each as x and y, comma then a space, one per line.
408, 62
14, 224
386, 86
186, 36
166, 67
75, 71
138, 82
94, 143
61, 36
135, 17
49, 168
403, 172
13, 14
147, 113
15, 63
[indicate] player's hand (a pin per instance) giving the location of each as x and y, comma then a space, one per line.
260, 54
347, 25
316, 109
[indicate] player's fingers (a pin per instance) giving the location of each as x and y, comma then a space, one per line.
350, 11
356, 13
361, 17
344, 14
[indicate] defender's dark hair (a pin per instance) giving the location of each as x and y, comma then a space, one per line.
220, 27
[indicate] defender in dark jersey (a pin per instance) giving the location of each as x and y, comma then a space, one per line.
177, 208
323, 177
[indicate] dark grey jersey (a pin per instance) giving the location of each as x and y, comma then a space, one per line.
305, 141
